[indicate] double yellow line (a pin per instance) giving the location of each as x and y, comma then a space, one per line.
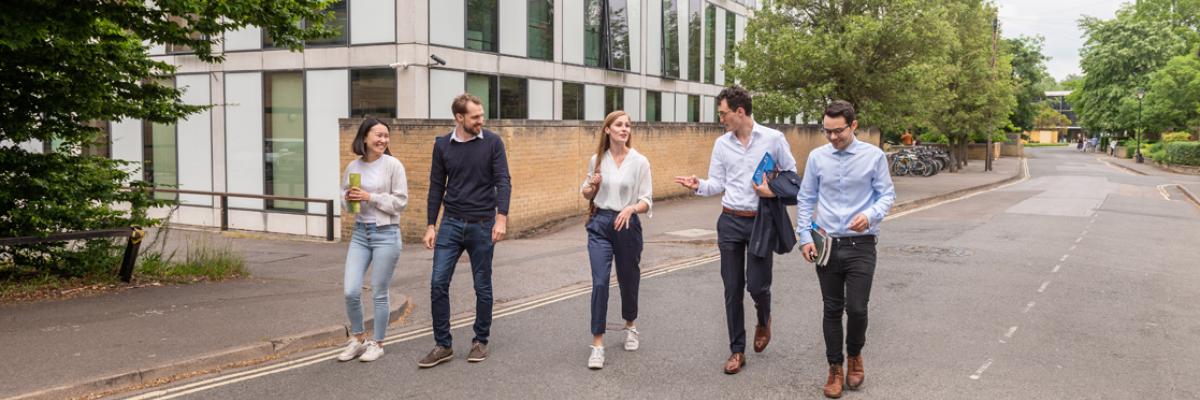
465, 320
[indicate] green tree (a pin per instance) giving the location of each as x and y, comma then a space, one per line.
1173, 96
65, 65
978, 95
881, 55
1030, 77
774, 107
1117, 58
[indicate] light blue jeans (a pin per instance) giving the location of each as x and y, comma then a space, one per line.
371, 245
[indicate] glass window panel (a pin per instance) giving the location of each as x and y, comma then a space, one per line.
338, 9
693, 108
572, 101
592, 40
614, 99
653, 106
618, 35
694, 40
373, 93
710, 43
160, 165
540, 36
730, 39
670, 39
514, 98
482, 24
283, 136
484, 87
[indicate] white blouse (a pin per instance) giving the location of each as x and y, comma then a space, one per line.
624, 185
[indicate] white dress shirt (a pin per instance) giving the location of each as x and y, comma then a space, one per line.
731, 169
622, 186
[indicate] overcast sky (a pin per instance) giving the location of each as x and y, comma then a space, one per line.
1055, 20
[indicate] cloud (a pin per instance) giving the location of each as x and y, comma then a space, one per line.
1056, 21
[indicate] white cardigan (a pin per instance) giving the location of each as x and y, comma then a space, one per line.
390, 203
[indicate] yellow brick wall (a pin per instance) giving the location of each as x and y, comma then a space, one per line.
548, 161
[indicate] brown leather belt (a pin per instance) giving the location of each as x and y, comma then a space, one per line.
737, 213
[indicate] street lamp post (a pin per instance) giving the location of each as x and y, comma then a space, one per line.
1140, 94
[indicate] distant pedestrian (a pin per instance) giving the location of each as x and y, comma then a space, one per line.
848, 186
469, 177
381, 193
1112, 147
735, 157
906, 138
1079, 140
618, 188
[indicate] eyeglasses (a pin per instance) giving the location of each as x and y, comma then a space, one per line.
835, 131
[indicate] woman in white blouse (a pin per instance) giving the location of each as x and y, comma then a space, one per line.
382, 195
618, 186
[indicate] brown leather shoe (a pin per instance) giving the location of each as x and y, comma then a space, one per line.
833, 386
762, 337
854, 372
735, 363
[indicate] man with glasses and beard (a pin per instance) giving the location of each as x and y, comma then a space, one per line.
848, 184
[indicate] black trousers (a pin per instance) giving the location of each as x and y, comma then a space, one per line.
742, 271
846, 288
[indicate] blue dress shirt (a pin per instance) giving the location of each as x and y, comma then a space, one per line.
841, 184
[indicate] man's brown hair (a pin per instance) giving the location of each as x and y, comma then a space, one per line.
460, 103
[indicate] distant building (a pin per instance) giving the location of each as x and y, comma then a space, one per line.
1057, 99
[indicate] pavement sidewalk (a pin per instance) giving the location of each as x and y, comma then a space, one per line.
293, 299
1189, 183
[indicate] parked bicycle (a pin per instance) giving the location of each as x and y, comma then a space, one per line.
919, 161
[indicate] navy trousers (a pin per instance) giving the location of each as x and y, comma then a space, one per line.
606, 244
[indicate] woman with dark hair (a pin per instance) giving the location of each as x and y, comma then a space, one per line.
381, 193
618, 186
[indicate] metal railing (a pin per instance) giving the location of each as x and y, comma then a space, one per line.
225, 204
133, 233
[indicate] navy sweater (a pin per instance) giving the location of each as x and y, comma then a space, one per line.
469, 178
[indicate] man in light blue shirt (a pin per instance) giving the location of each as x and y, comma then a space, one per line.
847, 182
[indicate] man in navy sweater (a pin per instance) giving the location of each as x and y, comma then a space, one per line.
469, 177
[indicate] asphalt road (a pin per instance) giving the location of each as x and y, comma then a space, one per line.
1080, 282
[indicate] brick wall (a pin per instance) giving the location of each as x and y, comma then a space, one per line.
548, 161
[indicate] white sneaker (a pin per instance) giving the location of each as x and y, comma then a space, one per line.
354, 348
596, 361
632, 339
373, 352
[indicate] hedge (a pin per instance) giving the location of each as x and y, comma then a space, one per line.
1183, 153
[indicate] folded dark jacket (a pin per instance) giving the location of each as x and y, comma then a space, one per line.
773, 226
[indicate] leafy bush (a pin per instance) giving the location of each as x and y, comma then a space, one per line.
1183, 153
1154, 151
1177, 137
1130, 146
933, 137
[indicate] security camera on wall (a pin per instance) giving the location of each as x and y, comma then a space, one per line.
404, 65
437, 59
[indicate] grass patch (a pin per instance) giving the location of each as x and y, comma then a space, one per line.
199, 260
1046, 144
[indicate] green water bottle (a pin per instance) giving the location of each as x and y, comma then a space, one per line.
355, 181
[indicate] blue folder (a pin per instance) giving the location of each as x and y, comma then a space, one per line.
767, 164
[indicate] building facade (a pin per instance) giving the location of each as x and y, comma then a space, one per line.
274, 126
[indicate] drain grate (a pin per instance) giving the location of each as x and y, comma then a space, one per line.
934, 251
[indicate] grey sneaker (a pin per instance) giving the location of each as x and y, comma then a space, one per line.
354, 348
436, 356
372, 353
596, 360
632, 339
478, 352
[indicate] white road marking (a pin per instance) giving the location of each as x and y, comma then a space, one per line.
1072, 248
1064, 257
1043, 288
1162, 189
979, 372
1078, 239
1028, 307
1010, 332
1084, 233
1055, 270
